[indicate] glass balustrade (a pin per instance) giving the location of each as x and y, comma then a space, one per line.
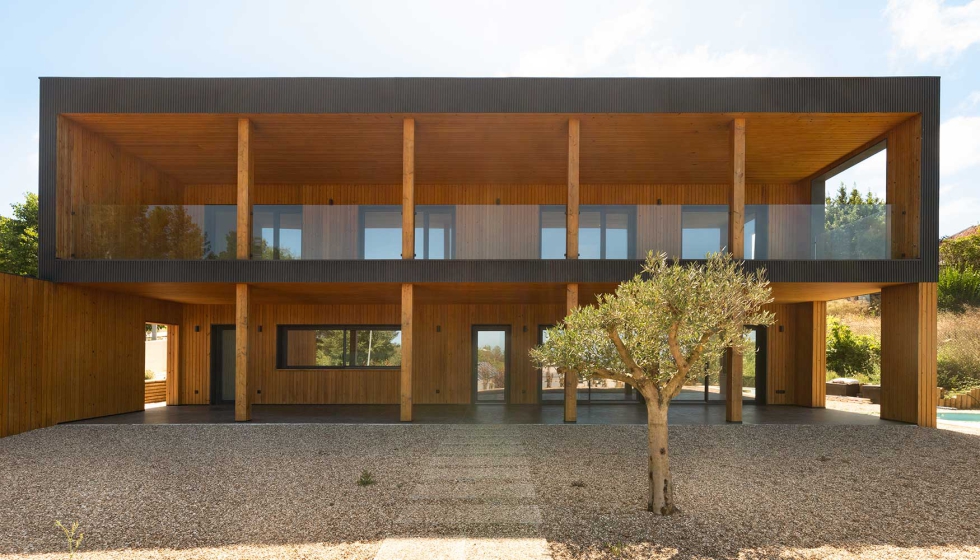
818, 232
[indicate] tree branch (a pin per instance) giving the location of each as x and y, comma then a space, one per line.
624, 353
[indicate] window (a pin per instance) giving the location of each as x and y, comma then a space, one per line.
332, 347
704, 230
220, 225
756, 232
435, 228
607, 232
277, 232
552, 232
381, 232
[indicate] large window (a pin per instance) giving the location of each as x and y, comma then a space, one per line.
607, 232
277, 232
332, 347
435, 228
381, 232
704, 230
552, 232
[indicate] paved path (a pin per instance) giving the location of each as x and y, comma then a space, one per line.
476, 487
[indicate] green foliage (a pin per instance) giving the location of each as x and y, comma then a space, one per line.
148, 374
958, 288
668, 324
366, 478
491, 366
855, 226
142, 232
958, 365
852, 355
961, 253
18, 238
73, 536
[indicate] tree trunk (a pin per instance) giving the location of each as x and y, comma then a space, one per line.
661, 497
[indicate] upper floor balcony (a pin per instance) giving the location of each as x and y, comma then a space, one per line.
521, 187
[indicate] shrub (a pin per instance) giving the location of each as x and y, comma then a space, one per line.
959, 288
958, 364
148, 374
852, 355
366, 479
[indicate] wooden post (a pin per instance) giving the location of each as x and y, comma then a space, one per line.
406, 371
571, 206
908, 353
173, 365
408, 190
571, 379
246, 182
733, 387
811, 354
736, 207
243, 392
736, 246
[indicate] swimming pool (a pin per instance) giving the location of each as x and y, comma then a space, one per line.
959, 416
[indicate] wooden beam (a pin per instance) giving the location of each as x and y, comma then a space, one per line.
733, 387
908, 353
406, 370
571, 208
408, 189
243, 392
571, 379
246, 184
736, 207
811, 354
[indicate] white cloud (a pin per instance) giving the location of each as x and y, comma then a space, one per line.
959, 144
958, 215
701, 61
946, 189
932, 30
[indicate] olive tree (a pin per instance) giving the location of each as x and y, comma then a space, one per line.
668, 324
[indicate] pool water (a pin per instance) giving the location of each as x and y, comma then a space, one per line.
959, 416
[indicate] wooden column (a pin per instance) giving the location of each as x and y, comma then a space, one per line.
736, 246
733, 386
246, 182
736, 207
571, 379
908, 353
406, 371
243, 390
408, 190
811, 354
571, 206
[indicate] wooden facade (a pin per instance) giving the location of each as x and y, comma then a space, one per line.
496, 170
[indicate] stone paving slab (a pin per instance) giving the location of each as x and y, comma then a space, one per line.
469, 514
463, 549
460, 461
517, 492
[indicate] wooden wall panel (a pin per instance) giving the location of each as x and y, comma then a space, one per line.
443, 357
811, 354
903, 189
195, 350
908, 353
93, 171
53, 370
781, 355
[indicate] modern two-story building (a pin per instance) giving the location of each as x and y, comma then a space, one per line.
406, 241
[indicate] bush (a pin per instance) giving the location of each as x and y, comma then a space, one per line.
959, 288
148, 374
958, 364
852, 355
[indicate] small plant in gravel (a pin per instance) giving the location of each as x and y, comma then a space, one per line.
578, 484
366, 478
615, 550
73, 536
669, 324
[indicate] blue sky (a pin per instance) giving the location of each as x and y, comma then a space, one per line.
498, 38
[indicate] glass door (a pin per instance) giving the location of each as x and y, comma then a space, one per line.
491, 361
222, 364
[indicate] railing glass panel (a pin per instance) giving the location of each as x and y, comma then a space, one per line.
818, 232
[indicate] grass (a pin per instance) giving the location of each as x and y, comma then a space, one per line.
366, 478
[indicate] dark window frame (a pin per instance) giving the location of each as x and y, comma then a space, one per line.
362, 211
426, 211
604, 210
282, 346
705, 208
277, 210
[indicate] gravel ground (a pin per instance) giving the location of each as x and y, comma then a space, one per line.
273, 491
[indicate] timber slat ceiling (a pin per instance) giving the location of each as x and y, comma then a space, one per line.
490, 148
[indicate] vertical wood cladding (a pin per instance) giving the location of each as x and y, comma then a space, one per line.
811, 354
94, 171
908, 353
57, 370
904, 187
